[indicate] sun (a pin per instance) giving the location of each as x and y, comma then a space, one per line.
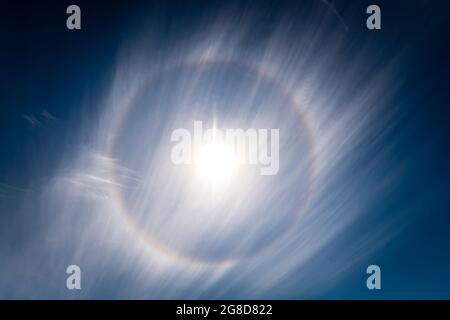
216, 163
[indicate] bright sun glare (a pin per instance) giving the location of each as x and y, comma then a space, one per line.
216, 163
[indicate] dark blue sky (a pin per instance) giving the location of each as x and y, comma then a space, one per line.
51, 76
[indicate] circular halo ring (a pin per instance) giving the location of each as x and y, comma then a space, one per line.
157, 245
